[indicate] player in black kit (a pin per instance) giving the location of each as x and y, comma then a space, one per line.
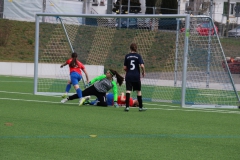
132, 64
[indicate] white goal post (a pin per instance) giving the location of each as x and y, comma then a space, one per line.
185, 64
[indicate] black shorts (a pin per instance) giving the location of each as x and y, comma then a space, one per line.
133, 86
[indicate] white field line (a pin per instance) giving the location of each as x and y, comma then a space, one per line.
25, 93
27, 100
167, 109
16, 81
216, 95
198, 110
16, 92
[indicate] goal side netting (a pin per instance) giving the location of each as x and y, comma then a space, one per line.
184, 64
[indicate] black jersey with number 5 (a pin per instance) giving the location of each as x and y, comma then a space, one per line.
132, 62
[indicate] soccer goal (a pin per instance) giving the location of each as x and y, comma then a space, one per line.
185, 62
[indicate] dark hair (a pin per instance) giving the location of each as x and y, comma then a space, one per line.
133, 47
73, 63
118, 76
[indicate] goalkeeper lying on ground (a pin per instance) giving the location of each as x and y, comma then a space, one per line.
99, 86
110, 100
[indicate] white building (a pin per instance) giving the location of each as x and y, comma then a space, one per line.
20, 10
219, 10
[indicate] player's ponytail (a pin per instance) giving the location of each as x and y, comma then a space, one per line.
118, 76
73, 63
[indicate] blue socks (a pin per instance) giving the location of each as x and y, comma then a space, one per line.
79, 92
68, 87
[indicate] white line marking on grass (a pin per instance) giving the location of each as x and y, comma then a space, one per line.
17, 81
34, 101
213, 95
28, 93
198, 110
218, 111
167, 109
160, 105
16, 92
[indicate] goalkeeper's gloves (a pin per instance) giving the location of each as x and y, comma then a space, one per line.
115, 104
88, 85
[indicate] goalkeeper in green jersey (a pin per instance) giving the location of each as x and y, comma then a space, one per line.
99, 86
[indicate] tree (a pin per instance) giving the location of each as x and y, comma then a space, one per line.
169, 7
135, 6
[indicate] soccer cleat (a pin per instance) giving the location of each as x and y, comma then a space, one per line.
81, 101
142, 109
87, 100
87, 97
64, 96
126, 109
64, 100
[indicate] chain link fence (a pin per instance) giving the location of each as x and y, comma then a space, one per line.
229, 34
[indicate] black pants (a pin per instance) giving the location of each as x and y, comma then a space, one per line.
91, 91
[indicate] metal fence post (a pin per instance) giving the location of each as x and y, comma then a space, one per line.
1, 8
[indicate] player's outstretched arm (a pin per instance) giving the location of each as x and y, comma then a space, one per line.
98, 78
64, 64
86, 74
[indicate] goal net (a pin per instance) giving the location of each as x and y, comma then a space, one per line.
183, 56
